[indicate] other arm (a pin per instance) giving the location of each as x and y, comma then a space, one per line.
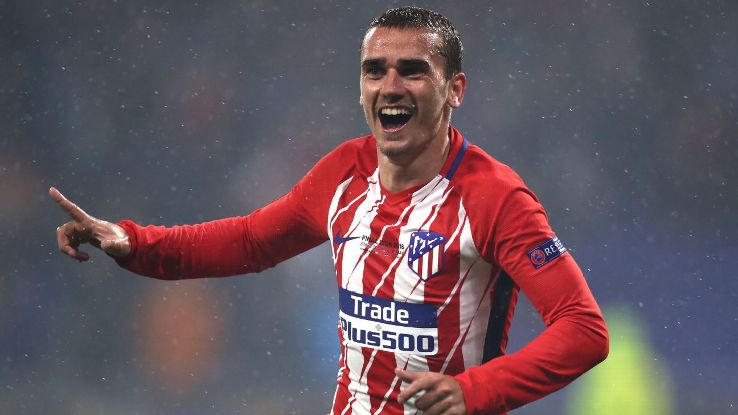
575, 338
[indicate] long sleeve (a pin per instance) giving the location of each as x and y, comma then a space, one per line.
574, 341
286, 227
575, 338
230, 246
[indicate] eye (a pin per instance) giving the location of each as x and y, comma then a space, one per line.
413, 69
411, 74
374, 72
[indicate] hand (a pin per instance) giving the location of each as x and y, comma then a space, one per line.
438, 394
83, 228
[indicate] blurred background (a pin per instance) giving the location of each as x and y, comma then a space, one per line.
621, 116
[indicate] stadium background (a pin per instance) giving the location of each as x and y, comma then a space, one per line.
621, 117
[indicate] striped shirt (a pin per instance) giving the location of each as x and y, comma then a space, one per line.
428, 277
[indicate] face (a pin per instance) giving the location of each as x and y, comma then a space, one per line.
406, 97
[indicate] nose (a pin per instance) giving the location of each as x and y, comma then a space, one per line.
392, 87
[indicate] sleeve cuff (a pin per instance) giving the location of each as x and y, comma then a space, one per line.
130, 227
467, 389
479, 396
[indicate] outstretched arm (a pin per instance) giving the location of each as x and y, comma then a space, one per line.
223, 247
83, 228
286, 227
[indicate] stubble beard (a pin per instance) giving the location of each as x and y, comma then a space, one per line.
404, 153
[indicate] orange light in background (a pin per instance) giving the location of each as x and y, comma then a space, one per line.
181, 328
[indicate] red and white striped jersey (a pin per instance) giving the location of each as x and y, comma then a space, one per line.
428, 277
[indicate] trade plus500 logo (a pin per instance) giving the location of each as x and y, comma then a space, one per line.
383, 324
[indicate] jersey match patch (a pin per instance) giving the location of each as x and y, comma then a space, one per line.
546, 252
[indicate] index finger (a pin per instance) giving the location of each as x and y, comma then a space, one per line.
74, 211
406, 375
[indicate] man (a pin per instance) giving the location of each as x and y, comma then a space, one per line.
432, 240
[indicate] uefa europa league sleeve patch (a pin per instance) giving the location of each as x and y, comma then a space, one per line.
546, 252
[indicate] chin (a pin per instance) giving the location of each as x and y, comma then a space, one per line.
393, 149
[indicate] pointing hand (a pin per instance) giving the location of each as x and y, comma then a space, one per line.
83, 228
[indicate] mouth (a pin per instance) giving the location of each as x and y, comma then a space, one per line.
393, 119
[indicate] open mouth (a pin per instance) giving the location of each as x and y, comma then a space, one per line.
393, 119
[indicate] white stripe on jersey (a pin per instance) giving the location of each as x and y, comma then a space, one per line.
475, 299
353, 259
332, 214
362, 406
462, 221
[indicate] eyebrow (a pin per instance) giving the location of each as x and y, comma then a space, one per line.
373, 62
370, 63
420, 64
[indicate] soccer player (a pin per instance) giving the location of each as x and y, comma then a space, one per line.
432, 240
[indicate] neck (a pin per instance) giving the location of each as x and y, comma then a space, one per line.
397, 174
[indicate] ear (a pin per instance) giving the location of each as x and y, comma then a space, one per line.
361, 100
457, 87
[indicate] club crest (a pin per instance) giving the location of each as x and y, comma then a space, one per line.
425, 253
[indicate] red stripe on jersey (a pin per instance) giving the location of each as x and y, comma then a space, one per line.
342, 395
454, 362
440, 289
378, 282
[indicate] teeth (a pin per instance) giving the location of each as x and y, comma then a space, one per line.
394, 111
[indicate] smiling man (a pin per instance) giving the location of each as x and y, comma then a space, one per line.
432, 240
408, 92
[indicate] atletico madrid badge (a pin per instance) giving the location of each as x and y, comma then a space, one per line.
425, 253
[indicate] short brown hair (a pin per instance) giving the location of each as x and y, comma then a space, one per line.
418, 18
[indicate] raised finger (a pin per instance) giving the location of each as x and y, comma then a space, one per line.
74, 211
